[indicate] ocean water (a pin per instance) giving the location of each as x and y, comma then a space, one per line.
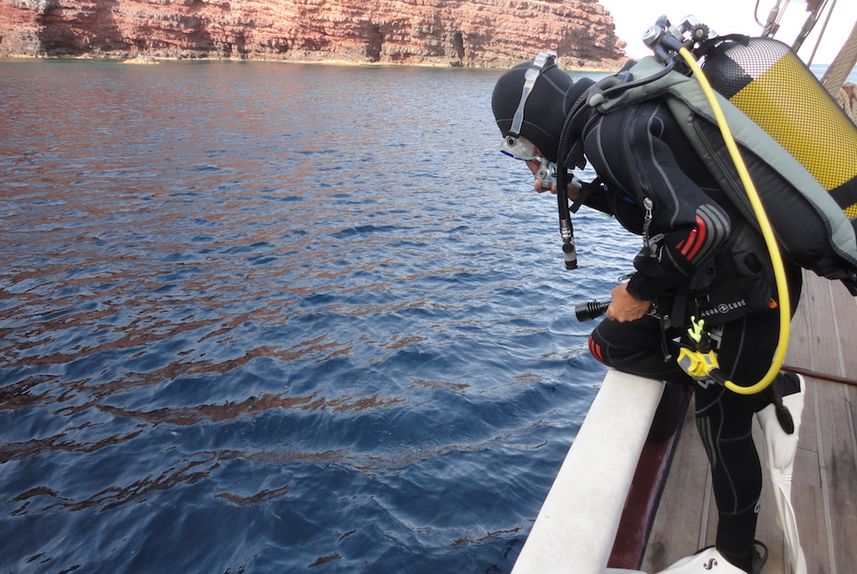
279, 318
820, 69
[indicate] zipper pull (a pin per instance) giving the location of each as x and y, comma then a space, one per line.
649, 243
647, 205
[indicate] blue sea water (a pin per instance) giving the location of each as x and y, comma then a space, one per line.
820, 69
279, 318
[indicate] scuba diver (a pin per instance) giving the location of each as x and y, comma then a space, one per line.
700, 257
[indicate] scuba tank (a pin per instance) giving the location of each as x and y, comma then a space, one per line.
767, 81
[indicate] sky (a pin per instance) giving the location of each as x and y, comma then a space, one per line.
632, 17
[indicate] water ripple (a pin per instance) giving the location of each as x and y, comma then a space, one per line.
257, 318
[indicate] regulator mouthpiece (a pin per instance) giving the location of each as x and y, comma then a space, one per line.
546, 174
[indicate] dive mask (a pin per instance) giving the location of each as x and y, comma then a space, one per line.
518, 147
523, 149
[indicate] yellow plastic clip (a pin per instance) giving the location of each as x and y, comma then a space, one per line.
697, 365
701, 362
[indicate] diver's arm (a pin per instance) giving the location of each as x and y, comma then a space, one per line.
601, 199
686, 226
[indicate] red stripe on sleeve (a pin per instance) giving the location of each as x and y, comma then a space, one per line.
686, 244
700, 240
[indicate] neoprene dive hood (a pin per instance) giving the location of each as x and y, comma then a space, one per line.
546, 103
534, 101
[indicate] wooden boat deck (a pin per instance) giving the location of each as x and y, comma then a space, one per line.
824, 483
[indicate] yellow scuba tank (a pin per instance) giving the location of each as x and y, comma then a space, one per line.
767, 81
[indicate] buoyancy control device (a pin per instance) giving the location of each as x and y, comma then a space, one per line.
794, 140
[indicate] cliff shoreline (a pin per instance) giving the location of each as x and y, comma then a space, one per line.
436, 33
119, 59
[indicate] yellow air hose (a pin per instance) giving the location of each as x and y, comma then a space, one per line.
767, 233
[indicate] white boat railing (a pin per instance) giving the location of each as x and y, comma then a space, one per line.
576, 527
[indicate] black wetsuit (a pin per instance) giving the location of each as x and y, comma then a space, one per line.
694, 238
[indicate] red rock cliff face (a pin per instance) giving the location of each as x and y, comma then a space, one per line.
440, 32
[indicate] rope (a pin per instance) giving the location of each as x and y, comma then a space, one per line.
815, 11
821, 33
846, 96
772, 25
842, 65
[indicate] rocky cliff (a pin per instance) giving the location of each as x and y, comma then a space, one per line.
439, 32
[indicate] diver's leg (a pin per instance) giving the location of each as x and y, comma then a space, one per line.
637, 347
724, 420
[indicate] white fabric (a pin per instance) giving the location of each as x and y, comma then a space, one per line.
781, 456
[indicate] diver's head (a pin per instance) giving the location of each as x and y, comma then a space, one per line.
530, 102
